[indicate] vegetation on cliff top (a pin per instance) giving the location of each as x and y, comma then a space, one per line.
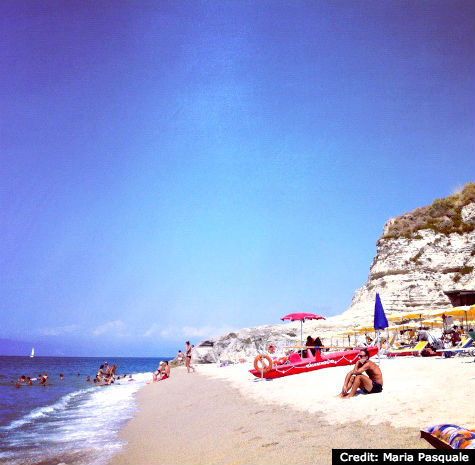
443, 216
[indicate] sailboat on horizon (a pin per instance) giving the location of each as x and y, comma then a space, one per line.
32, 352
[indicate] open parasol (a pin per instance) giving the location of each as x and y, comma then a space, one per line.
301, 317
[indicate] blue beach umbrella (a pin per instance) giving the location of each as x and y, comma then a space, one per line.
380, 320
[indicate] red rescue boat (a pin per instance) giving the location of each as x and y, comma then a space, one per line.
295, 364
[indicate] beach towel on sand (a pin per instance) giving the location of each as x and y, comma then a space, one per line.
453, 435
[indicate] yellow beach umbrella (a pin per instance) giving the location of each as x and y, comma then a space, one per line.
396, 316
433, 322
365, 329
414, 316
466, 312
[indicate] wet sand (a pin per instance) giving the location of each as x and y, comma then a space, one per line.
200, 419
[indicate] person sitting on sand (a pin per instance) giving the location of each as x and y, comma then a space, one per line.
156, 373
165, 371
180, 358
355, 379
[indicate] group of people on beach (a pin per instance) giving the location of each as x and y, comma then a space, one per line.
186, 357
106, 374
163, 370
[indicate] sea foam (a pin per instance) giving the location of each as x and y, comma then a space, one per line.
81, 427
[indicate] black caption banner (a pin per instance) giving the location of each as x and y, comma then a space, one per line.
398, 456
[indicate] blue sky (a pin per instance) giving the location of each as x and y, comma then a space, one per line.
171, 170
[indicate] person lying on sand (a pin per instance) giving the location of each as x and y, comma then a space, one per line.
355, 379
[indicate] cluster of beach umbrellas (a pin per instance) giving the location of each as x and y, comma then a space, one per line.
432, 318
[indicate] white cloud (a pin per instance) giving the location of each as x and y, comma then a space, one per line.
153, 330
57, 331
186, 332
114, 325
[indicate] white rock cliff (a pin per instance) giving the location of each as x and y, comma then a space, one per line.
410, 274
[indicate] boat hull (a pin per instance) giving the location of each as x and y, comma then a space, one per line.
298, 365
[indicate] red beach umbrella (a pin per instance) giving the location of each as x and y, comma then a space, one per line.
301, 317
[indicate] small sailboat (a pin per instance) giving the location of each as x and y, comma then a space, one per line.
32, 352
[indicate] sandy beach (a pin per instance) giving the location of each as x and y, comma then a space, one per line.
222, 415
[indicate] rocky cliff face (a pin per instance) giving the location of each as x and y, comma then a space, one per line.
413, 274
420, 256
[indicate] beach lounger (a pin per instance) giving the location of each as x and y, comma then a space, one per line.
408, 350
465, 346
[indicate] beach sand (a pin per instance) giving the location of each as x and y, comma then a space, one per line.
223, 416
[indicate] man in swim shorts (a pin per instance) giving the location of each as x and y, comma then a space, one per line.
355, 379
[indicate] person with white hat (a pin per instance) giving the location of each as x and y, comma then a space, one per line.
156, 373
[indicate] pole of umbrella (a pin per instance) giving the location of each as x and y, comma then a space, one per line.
301, 325
379, 349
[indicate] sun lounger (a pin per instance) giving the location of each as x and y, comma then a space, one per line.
408, 350
466, 345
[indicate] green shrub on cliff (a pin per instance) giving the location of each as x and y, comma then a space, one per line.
443, 216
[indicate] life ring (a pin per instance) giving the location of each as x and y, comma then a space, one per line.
271, 349
265, 366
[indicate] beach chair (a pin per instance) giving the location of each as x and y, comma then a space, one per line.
416, 350
465, 347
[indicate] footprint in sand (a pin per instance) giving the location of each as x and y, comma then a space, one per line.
269, 444
255, 438
259, 411
292, 431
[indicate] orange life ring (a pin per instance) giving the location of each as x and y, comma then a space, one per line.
265, 367
271, 349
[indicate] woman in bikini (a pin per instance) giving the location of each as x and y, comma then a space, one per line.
188, 357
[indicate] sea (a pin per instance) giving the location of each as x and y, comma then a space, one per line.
68, 421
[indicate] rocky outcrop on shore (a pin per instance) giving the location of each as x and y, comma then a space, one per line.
421, 256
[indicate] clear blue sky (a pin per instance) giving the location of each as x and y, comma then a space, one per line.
173, 169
